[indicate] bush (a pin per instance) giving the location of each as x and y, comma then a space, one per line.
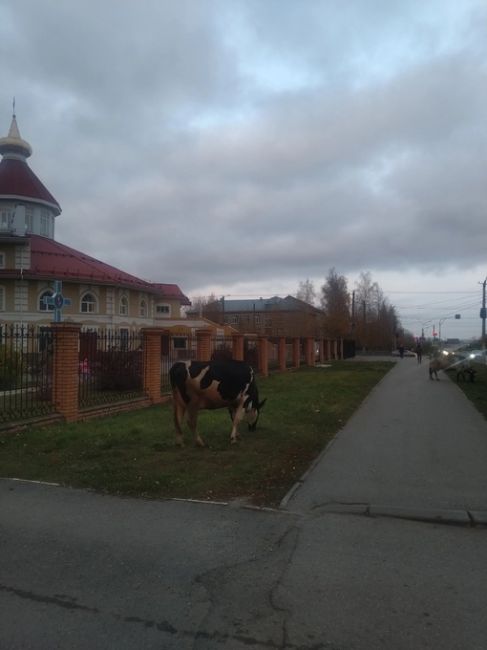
119, 371
10, 368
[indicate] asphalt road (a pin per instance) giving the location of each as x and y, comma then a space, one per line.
381, 546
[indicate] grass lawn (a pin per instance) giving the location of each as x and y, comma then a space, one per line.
135, 454
476, 390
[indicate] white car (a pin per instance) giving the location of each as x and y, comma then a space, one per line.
476, 354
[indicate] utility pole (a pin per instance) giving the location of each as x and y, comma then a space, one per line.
353, 313
364, 309
483, 315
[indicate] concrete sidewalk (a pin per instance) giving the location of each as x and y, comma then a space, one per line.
83, 571
414, 444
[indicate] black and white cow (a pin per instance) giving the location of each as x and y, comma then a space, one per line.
200, 385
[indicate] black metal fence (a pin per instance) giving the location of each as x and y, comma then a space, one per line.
175, 348
184, 348
26, 355
110, 367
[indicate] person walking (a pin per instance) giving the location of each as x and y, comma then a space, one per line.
419, 353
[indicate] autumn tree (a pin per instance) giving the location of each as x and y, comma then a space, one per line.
335, 302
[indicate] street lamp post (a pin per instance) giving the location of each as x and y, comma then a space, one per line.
442, 320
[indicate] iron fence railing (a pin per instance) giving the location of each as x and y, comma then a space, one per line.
175, 348
221, 348
26, 355
110, 367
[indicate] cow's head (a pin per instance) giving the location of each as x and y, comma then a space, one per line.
252, 412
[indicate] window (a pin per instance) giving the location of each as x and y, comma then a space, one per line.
124, 339
6, 216
163, 310
2, 299
180, 342
29, 219
45, 222
42, 303
143, 308
88, 304
2, 260
123, 308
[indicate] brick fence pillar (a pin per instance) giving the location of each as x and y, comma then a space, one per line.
65, 370
203, 345
310, 351
281, 353
263, 355
238, 347
152, 363
296, 351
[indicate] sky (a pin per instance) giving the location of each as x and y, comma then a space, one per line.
239, 147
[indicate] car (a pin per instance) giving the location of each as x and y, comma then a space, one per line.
476, 354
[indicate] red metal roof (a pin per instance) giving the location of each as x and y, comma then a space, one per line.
18, 179
170, 291
51, 259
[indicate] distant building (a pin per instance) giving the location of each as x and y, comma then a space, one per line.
31, 260
271, 317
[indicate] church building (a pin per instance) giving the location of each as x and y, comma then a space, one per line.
33, 265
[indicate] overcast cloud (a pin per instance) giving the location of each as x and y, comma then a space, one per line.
242, 146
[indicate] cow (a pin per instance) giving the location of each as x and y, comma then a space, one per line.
215, 384
451, 361
435, 365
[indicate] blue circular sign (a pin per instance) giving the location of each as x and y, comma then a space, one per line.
58, 300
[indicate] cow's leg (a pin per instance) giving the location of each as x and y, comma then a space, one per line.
179, 409
237, 415
193, 422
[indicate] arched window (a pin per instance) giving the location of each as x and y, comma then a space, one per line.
143, 308
124, 306
88, 304
42, 303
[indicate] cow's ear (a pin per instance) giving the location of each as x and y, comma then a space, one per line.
262, 404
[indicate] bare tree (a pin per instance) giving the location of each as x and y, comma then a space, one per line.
199, 304
335, 301
306, 291
377, 322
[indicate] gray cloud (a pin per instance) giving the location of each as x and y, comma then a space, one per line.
218, 143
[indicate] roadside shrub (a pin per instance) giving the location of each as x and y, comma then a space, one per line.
10, 368
119, 371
